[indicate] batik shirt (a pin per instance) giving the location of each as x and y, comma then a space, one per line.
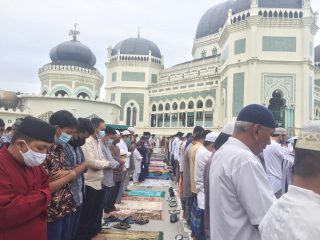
62, 202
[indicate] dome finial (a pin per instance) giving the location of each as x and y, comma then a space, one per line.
138, 31
74, 33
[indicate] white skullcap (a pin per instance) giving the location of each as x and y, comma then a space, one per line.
125, 133
310, 137
131, 129
280, 131
117, 133
211, 137
228, 128
291, 140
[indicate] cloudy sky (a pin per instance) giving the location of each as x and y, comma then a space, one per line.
29, 29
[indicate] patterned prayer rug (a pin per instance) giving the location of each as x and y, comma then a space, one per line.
146, 193
131, 235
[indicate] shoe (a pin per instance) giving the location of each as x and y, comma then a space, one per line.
106, 225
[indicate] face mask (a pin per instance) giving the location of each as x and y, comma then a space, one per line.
63, 139
109, 142
32, 158
127, 141
101, 134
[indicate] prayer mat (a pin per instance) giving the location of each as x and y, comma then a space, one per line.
139, 205
157, 169
146, 193
146, 199
148, 214
154, 183
111, 234
164, 176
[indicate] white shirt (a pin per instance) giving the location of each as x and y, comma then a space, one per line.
295, 216
273, 156
174, 144
123, 147
176, 150
202, 156
181, 155
240, 194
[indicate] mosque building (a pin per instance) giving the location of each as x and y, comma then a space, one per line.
70, 82
244, 51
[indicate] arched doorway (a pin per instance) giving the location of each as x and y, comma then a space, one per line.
277, 105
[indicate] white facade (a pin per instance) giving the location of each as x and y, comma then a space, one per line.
261, 55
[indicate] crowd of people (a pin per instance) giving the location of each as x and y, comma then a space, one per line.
57, 179
247, 182
229, 182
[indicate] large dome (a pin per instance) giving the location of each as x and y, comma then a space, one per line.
137, 46
317, 54
216, 17
73, 53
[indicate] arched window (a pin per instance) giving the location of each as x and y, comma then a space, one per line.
239, 18
167, 107
300, 14
248, 14
160, 108
199, 104
209, 103
182, 106
154, 108
203, 54
61, 92
83, 95
285, 14
128, 116
275, 14
214, 52
243, 17
134, 116
265, 14
290, 14
280, 14
190, 105
175, 106
44, 93
270, 14
234, 20
295, 15
260, 13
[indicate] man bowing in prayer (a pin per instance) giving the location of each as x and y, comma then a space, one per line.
236, 174
24, 188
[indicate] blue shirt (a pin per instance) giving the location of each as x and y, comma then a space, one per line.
74, 157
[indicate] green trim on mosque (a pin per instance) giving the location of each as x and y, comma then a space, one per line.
238, 93
279, 44
239, 46
224, 55
127, 97
113, 97
114, 76
187, 95
154, 78
317, 82
224, 85
133, 76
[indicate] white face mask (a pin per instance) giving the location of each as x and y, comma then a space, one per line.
32, 158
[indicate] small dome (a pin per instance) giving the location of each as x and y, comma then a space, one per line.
72, 53
213, 19
317, 54
216, 17
137, 46
8, 100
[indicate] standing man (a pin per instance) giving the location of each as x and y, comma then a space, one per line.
91, 214
123, 146
202, 157
175, 156
296, 215
273, 155
237, 175
24, 186
74, 157
62, 205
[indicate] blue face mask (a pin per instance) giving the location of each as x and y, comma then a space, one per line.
63, 139
127, 141
109, 142
101, 134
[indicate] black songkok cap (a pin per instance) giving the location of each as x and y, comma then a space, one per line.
257, 114
37, 129
110, 131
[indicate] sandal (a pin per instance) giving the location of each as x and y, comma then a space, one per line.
106, 225
174, 216
180, 237
141, 221
170, 199
173, 204
122, 226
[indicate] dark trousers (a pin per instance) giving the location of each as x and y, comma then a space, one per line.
91, 216
60, 229
111, 197
75, 219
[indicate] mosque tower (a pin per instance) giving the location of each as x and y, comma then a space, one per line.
133, 65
